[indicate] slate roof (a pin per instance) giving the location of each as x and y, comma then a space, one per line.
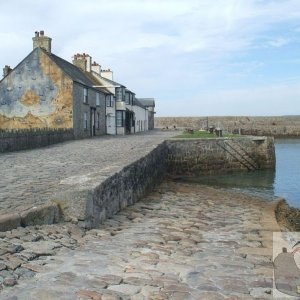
138, 103
147, 101
112, 82
74, 72
97, 82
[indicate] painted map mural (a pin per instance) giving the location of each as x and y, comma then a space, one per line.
36, 94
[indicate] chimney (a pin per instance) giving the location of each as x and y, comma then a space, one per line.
88, 62
83, 61
42, 41
107, 74
6, 70
96, 68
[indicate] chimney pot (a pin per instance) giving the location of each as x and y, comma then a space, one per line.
6, 70
42, 41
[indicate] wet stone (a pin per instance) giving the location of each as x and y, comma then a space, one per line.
126, 289
2, 266
24, 273
9, 281
13, 263
86, 294
111, 279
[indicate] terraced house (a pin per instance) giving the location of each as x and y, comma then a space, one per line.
125, 114
47, 92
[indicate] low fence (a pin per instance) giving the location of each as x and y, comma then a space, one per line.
15, 140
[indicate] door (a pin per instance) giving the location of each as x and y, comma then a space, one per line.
93, 122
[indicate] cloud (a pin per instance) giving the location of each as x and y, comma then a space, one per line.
278, 42
267, 100
169, 49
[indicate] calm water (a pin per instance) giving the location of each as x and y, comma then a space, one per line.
283, 182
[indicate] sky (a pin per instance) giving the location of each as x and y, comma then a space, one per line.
195, 57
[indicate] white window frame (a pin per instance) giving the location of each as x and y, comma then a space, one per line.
120, 120
127, 98
97, 99
85, 95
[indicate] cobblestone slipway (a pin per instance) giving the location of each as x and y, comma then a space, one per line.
183, 241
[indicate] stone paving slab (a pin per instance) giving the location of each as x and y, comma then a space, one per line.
32, 178
183, 241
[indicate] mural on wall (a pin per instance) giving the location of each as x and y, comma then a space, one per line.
36, 94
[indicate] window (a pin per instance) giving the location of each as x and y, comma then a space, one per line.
85, 95
131, 99
127, 98
97, 99
109, 101
85, 120
120, 94
120, 120
98, 120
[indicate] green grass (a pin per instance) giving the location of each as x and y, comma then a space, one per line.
203, 135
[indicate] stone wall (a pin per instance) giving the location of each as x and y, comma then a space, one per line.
94, 201
198, 156
91, 200
34, 138
262, 126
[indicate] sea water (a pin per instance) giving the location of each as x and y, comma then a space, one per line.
287, 173
284, 181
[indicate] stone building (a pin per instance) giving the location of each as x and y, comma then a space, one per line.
124, 113
46, 91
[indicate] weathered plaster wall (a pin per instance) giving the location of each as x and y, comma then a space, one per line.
36, 94
264, 126
197, 156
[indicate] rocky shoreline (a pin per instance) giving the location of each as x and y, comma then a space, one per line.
288, 217
182, 241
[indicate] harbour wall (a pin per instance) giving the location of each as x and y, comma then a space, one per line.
90, 199
92, 203
198, 156
278, 126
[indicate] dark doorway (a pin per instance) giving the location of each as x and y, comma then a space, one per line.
93, 121
128, 121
